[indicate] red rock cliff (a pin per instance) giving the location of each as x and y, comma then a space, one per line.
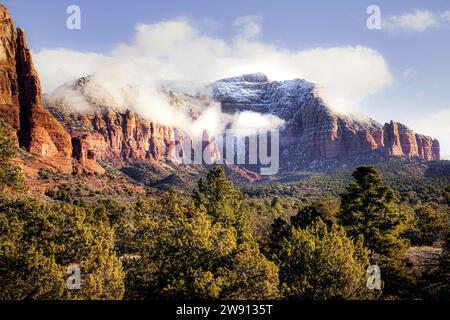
108, 132
9, 92
313, 132
21, 100
401, 141
121, 137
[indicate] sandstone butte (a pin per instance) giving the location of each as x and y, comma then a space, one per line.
37, 131
125, 137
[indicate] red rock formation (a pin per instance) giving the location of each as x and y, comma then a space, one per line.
313, 132
116, 136
325, 135
20, 100
9, 92
84, 151
40, 132
121, 137
392, 140
400, 141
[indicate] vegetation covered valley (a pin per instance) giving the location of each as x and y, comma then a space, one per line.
313, 238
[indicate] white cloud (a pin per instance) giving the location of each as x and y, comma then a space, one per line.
417, 21
58, 66
177, 52
248, 122
435, 124
347, 75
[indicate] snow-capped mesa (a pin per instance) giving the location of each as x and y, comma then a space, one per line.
312, 135
313, 131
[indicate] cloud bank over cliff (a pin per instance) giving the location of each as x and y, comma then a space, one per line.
156, 103
179, 53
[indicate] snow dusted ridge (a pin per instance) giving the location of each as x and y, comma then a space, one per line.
313, 130
256, 93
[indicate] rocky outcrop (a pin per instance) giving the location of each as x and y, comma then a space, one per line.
116, 136
401, 141
313, 132
107, 132
21, 101
124, 137
9, 91
40, 133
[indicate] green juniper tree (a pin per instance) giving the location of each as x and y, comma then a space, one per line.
431, 223
39, 241
317, 260
318, 263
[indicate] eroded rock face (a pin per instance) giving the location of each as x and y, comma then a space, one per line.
107, 131
9, 91
313, 131
123, 137
403, 142
21, 102
116, 136
40, 133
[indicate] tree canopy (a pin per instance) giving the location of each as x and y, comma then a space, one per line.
199, 248
39, 241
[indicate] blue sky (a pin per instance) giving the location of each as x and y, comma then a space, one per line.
418, 60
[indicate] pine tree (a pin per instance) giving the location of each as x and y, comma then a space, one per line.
309, 215
223, 202
370, 209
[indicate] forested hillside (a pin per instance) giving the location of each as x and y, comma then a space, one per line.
312, 239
